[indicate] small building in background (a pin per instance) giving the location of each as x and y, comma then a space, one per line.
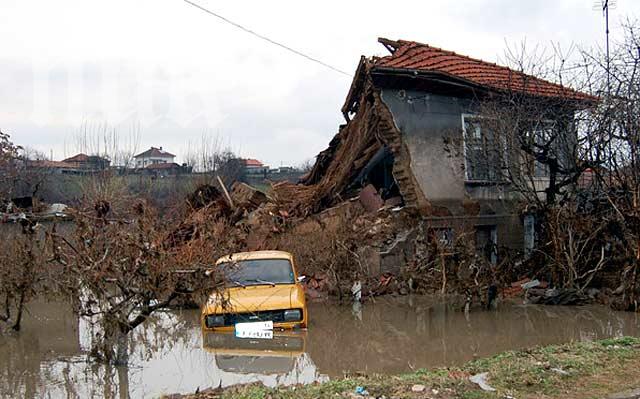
255, 167
153, 156
50, 166
87, 163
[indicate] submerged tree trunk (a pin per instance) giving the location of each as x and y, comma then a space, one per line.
111, 346
122, 350
18, 321
123, 382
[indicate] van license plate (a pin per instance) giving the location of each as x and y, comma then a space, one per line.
261, 329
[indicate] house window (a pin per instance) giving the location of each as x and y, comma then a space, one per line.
484, 154
542, 135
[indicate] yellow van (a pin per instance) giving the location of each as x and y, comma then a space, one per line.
261, 286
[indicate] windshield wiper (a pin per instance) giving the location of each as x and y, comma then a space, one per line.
238, 284
257, 280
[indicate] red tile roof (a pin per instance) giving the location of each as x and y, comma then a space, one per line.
253, 162
416, 56
51, 164
77, 158
154, 152
84, 158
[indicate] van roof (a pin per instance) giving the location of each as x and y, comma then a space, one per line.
255, 255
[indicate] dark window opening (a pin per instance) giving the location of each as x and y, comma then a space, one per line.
379, 173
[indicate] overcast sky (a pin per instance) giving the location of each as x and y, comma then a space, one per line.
178, 72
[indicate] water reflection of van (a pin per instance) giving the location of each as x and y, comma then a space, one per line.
281, 360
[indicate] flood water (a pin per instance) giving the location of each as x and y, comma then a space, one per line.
170, 354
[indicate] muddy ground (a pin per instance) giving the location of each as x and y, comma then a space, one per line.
602, 369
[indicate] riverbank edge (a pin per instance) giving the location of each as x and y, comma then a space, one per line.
575, 370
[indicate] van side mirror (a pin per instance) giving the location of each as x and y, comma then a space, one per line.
301, 278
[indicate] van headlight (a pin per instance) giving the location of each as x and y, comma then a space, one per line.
213, 320
293, 315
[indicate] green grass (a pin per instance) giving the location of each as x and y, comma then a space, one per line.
594, 368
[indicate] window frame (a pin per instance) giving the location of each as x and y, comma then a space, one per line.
533, 132
500, 178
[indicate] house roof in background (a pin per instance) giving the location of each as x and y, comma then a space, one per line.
77, 158
43, 163
253, 162
85, 158
155, 152
414, 56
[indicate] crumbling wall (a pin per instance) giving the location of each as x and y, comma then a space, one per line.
372, 128
431, 128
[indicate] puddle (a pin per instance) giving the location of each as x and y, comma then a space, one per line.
171, 354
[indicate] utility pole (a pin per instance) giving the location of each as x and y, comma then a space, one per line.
605, 6
605, 9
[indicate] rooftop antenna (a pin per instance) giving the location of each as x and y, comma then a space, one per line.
605, 5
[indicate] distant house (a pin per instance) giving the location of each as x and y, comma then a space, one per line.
80, 164
51, 166
153, 156
253, 166
87, 163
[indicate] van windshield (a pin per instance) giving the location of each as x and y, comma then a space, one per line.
258, 272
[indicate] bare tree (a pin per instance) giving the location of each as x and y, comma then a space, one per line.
108, 142
22, 270
571, 157
120, 269
306, 165
211, 158
8, 169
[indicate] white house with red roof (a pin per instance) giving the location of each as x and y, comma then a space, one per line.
253, 166
153, 156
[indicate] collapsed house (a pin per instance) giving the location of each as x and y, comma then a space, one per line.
397, 200
408, 140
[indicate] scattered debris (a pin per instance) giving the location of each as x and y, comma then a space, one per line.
247, 197
370, 198
557, 296
560, 371
530, 284
418, 388
481, 381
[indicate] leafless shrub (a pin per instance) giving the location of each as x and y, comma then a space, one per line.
108, 142
210, 158
119, 271
9, 154
23, 270
572, 160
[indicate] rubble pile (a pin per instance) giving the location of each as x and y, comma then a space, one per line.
383, 247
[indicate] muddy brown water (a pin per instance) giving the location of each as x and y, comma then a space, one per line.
48, 358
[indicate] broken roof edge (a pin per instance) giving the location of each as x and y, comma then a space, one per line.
390, 45
369, 64
355, 88
399, 48
477, 88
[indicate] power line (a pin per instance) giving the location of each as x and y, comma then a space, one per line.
294, 51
